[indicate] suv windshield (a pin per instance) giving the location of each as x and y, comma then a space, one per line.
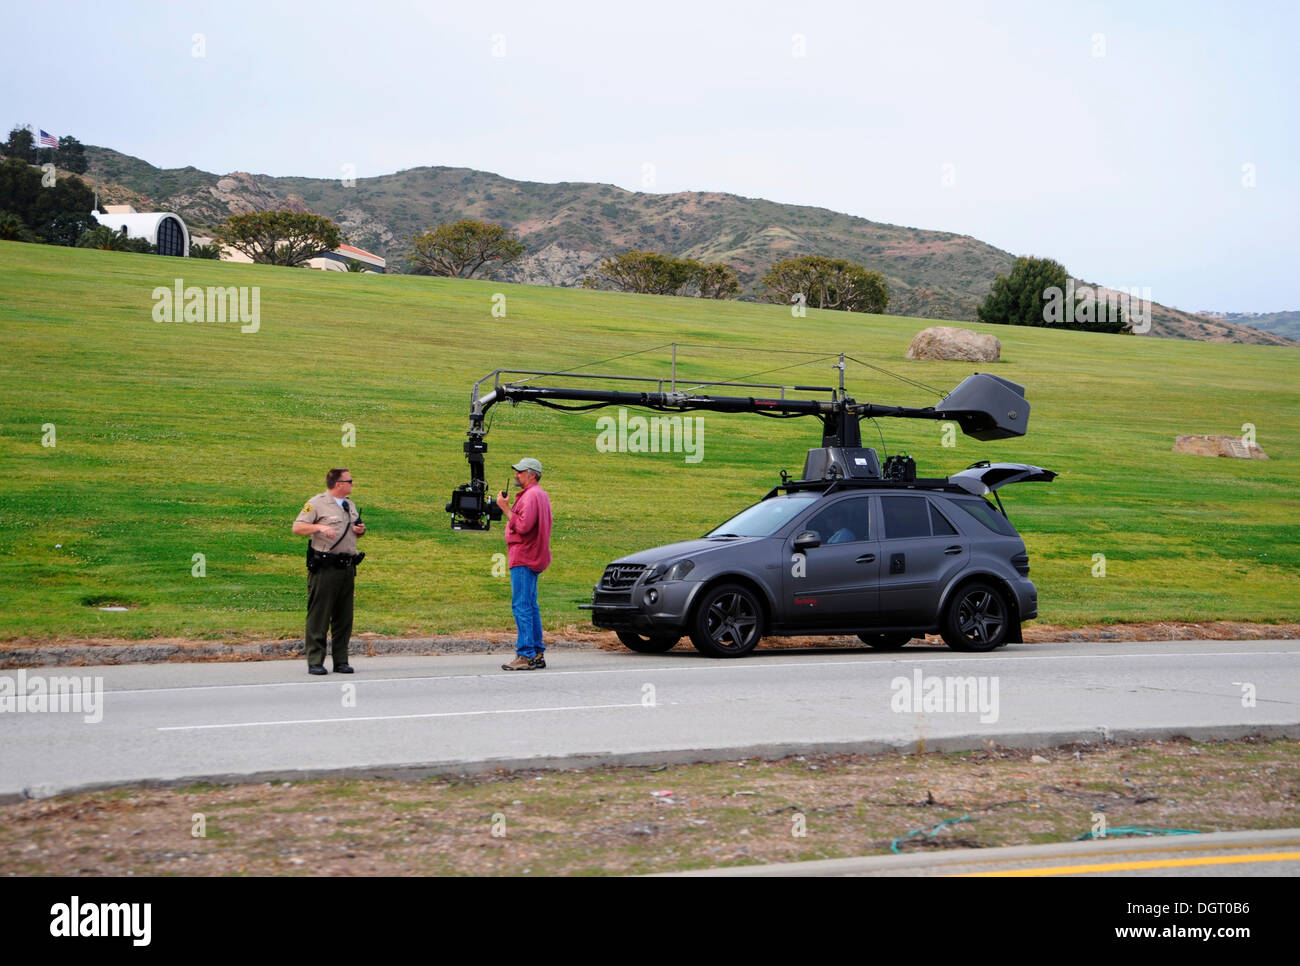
764, 519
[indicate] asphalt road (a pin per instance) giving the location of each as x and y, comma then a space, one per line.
412, 715
1263, 852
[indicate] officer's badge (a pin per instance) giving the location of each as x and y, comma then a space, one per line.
306, 508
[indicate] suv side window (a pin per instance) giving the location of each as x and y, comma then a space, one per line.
845, 521
986, 513
942, 527
906, 516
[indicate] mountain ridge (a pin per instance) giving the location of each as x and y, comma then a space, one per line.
570, 226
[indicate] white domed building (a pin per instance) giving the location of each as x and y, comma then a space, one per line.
167, 232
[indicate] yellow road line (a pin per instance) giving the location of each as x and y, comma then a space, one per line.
1150, 864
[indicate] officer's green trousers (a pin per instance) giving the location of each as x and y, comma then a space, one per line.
329, 609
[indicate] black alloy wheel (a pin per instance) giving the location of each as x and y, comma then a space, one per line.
977, 619
728, 622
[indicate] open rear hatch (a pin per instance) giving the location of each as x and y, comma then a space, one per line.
985, 478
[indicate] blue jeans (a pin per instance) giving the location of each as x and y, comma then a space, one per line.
528, 616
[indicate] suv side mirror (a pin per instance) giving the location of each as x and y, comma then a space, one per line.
806, 541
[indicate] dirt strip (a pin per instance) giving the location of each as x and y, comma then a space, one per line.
629, 820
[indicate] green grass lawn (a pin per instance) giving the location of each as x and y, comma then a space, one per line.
175, 439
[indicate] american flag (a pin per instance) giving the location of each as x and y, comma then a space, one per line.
49, 141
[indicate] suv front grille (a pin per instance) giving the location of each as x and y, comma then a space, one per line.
620, 576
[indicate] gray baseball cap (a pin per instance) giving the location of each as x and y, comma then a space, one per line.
528, 463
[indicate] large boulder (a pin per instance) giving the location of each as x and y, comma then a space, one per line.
947, 342
1234, 447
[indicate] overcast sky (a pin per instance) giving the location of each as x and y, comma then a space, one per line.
1140, 144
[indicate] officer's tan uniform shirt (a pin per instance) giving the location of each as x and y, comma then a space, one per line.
323, 508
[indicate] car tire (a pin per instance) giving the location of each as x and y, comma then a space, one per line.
652, 644
885, 642
977, 619
728, 622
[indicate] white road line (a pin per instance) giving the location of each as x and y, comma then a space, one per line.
756, 665
392, 717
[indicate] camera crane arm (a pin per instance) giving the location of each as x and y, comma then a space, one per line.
985, 406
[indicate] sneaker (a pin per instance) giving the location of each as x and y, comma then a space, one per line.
539, 662
520, 663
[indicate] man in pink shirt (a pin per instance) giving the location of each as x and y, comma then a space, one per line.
528, 553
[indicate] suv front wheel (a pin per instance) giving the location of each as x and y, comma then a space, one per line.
977, 619
728, 622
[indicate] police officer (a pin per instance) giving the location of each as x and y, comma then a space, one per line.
333, 522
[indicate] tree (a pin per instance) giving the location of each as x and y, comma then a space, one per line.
12, 228
70, 155
647, 273
67, 228
459, 250
280, 237
1017, 299
827, 283
141, 245
1039, 291
23, 193
103, 238
21, 145
108, 240
653, 273
212, 251
717, 280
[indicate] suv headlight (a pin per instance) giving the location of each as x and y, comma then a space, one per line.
677, 571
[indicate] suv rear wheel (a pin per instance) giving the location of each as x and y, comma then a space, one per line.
977, 619
885, 642
654, 644
728, 622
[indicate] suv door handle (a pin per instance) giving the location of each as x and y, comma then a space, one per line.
866, 558
952, 550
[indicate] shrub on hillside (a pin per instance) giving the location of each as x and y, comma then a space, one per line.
462, 248
653, 273
826, 283
280, 237
1040, 292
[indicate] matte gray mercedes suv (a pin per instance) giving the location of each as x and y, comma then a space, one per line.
842, 551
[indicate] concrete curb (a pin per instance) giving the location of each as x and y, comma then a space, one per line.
1018, 740
144, 652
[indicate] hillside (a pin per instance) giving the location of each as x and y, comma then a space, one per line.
176, 439
571, 226
1286, 324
